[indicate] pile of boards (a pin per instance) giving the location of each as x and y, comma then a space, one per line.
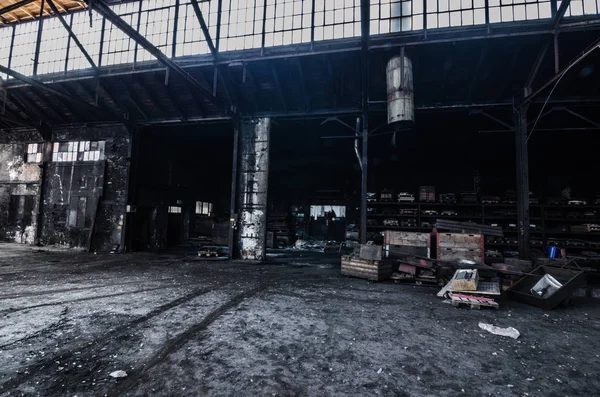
367, 263
465, 288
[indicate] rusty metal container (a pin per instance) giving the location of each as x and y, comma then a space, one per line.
400, 93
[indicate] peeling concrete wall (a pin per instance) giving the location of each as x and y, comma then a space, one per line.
252, 187
97, 190
19, 187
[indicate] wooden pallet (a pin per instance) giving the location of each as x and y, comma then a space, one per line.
474, 302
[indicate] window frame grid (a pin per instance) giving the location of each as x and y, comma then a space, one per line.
502, 11
337, 19
192, 41
230, 21
263, 22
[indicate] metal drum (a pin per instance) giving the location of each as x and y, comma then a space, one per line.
400, 94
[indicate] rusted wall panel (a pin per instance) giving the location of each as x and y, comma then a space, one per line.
19, 187
70, 188
104, 181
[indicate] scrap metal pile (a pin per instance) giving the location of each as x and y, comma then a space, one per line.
455, 261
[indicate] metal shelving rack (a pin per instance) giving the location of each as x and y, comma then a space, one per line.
550, 230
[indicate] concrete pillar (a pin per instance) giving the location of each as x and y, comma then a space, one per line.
252, 187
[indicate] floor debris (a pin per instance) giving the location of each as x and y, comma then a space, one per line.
118, 374
510, 331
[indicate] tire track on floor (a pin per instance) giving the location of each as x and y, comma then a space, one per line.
177, 342
58, 291
90, 298
54, 326
33, 370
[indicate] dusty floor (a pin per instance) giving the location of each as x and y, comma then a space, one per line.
291, 327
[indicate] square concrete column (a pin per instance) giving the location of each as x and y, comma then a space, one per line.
252, 187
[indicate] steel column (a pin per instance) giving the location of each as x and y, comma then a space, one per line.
232, 207
522, 162
556, 56
364, 180
365, 34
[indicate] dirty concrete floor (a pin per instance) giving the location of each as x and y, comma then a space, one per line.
290, 327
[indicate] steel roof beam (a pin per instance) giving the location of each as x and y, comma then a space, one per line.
15, 6
536, 67
278, 86
104, 10
304, 83
482, 55
595, 124
560, 13
72, 35
563, 71
33, 82
204, 27
172, 96
151, 94
214, 51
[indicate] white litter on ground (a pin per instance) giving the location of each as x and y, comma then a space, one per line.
118, 374
510, 331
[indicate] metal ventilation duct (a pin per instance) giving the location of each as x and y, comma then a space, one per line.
400, 94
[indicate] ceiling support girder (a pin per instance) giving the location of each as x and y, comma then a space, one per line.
104, 10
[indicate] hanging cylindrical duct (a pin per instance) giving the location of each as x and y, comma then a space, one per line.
400, 94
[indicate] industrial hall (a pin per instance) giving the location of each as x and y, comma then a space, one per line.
299, 198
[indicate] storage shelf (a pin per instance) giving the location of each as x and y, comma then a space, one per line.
392, 216
496, 213
578, 220
595, 234
393, 227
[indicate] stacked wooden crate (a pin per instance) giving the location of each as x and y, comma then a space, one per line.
410, 250
452, 247
374, 270
398, 244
